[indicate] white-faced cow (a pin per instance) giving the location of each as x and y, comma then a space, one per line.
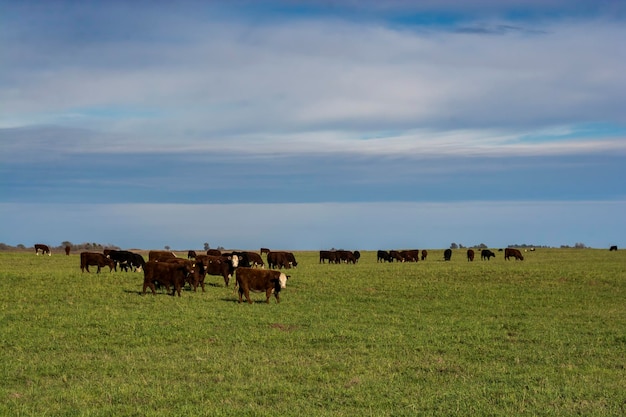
260, 280
43, 248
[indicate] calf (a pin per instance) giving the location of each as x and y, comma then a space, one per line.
95, 258
259, 280
514, 253
486, 254
167, 274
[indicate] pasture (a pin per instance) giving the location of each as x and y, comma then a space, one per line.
541, 337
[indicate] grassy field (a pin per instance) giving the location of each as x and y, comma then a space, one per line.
546, 336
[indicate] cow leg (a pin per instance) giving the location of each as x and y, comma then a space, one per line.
268, 294
240, 294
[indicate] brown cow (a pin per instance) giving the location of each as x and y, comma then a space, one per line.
424, 254
470, 255
410, 255
515, 253
265, 250
259, 280
214, 252
280, 260
43, 248
67, 250
95, 258
191, 254
160, 255
166, 274
197, 276
219, 266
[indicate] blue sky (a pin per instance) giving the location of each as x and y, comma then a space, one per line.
311, 125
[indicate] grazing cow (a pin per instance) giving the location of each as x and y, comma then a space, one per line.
166, 273
191, 254
447, 254
612, 248
194, 278
43, 248
259, 280
383, 256
255, 259
264, 251
160, 255
67, 250
357, 255
278, 260
95, 258
344, 256
126, 259
410, 255
470, 255
394, 254
515, 253
424, 254
486, 254
219, 266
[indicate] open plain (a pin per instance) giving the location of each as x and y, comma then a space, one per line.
543, 336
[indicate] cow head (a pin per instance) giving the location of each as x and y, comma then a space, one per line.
235, 261
282, 280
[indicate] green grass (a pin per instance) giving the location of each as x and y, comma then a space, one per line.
546, 336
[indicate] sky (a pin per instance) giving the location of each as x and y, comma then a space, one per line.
309, 125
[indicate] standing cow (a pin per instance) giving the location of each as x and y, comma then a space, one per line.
513, 253
424, 254
96, 259
167, 274
447, 254
470, 255
383, 256
260, 280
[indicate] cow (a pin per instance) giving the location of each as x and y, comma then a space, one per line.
166, 273
43, 248
214, 252
126, 259
394, 254
424, 254
612, 248
95, 258
327, 255
160, 255
194, 278
67, 250
345, 256
383, 256
447, 254
357, 256
255, 259
470, 255
259, 280
191, 254
279, 259
514, 253
410, 255
264, 251
486, 254
219, 266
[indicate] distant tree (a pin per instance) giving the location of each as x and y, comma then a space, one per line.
206, 246
220, 248
454, 246
167, 247
21, 246
580, 245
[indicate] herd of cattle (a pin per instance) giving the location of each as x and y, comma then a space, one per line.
165, 269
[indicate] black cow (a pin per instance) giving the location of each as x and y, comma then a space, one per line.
327, 255
612, 248
191, 254
514, 253
424, 254
95, 258
167, 274
67, 250
126, 259
447, 254
260, 280
383, 256
486, 254
357, 255
470, 255
43, 248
